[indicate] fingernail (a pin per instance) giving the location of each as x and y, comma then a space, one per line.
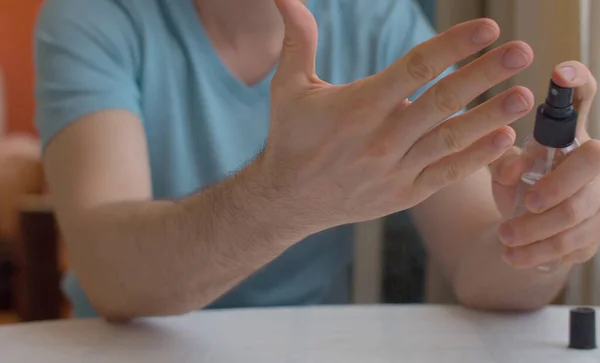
534, 202
516, 103
506, 235
514, 58
509, 255
567, 72
503, 140
484, 34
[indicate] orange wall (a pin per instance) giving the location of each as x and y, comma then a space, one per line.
17, 20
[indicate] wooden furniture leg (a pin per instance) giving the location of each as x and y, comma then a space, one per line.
37, 276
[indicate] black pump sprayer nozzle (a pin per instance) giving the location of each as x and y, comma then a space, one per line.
559, 97
556, 119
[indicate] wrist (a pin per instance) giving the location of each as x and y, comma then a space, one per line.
269, 213
284, 204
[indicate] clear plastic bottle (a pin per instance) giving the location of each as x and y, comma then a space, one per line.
552, 140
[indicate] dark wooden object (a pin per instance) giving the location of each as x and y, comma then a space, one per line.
36, 283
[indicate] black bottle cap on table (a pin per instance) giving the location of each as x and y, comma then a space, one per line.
582, 329
556, 119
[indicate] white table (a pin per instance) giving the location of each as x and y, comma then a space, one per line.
414, 334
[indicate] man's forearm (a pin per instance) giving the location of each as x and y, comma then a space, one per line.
484, 280
156, 258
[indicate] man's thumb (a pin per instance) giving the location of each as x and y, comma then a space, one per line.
297, 63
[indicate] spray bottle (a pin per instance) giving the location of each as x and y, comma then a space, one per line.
552, 140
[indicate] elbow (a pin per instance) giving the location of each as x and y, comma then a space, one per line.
115, 313
122, 307
485, 299
500, 295
500, 305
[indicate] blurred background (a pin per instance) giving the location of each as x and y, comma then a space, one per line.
391, 265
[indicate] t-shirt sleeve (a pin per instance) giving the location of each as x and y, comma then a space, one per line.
86, 58
407, 27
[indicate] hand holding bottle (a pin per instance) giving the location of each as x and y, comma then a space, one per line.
556, 222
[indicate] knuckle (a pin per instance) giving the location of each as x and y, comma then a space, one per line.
362, 108
445, 99
593, 85
593, 148
451, 138
582, 255
419, 67
592, 81
380, 148
590, 253
571, 211
358, 103
288, 42
559, 245
383, 144
489, 76
452, 173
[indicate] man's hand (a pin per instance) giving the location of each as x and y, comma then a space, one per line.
360, 151
564, 223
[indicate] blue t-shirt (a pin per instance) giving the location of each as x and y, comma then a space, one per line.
153, 58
